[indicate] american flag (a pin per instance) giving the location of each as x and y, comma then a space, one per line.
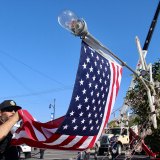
96, 87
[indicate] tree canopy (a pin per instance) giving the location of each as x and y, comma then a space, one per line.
137, 99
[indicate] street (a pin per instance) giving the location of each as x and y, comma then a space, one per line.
52, 155
71, 155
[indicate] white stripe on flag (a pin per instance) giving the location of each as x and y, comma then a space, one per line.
86, 142
58, 141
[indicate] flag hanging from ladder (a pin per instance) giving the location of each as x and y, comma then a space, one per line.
95, 90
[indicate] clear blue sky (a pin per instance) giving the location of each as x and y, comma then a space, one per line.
39, 59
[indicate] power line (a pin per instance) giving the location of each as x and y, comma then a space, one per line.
15, 78
31, 68
31, 92
36, 93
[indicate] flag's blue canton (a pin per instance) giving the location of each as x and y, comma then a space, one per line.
84, 116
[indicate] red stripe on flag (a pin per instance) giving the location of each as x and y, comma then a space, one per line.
79, 143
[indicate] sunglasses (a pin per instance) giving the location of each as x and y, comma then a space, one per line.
8, 110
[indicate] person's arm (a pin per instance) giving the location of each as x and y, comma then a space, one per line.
6, 127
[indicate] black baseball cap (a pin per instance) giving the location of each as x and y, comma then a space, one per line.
9, 104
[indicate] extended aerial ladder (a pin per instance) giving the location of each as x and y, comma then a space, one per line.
142, 66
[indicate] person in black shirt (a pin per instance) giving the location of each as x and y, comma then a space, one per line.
41, 153
8, 118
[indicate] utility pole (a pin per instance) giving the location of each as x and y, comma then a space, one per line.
53, 106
